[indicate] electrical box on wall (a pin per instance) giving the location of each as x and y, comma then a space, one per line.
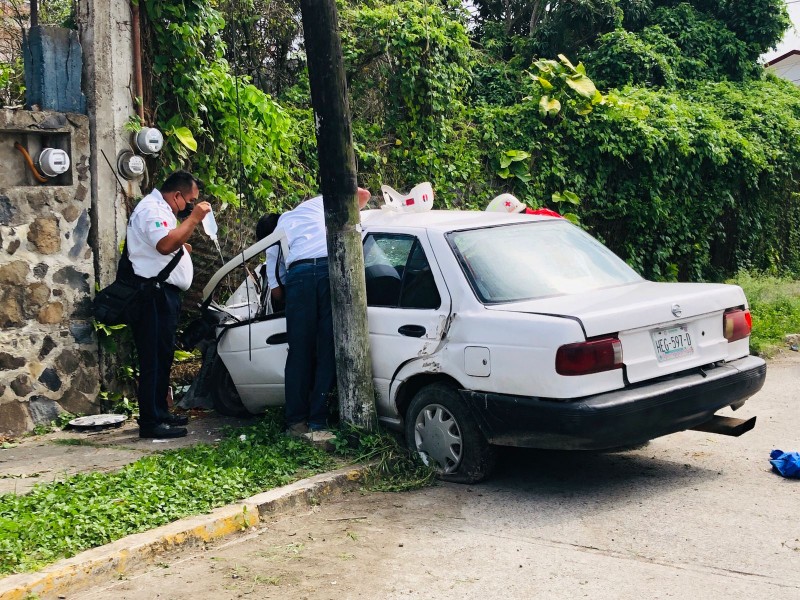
129, 165
52, 162
149, 140
34, 159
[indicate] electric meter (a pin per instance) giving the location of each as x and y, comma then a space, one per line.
130, 165
52, 162
149, 140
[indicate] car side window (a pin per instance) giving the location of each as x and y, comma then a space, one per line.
419, 288
397, 272
385, 258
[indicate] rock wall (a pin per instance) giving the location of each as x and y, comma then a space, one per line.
48, 350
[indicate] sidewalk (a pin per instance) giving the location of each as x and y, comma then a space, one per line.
55, 456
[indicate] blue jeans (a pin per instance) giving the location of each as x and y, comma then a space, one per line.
311, 363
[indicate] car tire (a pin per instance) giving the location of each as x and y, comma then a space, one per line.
223, 392
445, 434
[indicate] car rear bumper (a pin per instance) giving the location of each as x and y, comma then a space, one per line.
620, 418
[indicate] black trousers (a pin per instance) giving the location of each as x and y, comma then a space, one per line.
154, 335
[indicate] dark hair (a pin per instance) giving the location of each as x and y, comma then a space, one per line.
180, 181
266, 225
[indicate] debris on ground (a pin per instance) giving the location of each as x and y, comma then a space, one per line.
786, 463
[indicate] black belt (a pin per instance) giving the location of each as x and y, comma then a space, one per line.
323, 260
147, 282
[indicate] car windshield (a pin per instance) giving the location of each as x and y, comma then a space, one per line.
536, 259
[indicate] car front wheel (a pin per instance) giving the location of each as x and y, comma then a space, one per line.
444, 433
223, 392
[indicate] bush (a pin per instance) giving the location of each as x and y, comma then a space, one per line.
775, 307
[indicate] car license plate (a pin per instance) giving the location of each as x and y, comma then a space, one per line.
672, 343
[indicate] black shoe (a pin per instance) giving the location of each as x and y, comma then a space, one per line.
162, 431
172, 419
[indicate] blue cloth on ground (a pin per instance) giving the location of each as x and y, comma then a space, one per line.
786, 463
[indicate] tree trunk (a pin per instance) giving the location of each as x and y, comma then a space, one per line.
534, 18
338, 182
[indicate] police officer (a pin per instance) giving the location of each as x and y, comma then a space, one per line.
154, 237
310, 372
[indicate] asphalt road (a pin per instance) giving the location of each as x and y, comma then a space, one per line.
692, 515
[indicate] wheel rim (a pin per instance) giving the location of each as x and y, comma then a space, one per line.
437, 438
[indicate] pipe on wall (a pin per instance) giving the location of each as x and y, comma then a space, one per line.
137, 60
29, 161
34, 14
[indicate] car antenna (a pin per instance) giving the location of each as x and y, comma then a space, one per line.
241, 179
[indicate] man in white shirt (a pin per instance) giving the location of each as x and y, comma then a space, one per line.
154, 238
265, 226
311, 364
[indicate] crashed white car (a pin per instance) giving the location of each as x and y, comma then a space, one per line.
494, 329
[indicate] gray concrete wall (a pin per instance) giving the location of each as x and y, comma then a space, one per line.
105, 32
48, 351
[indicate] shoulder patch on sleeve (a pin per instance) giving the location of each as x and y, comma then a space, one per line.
155, 224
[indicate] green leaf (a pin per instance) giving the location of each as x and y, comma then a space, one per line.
544, 83
186, 138
571, 197
526, 177
549, 107
547, 66
517, 155
572, 218
511, 156
582, 85
565, 61
181, 355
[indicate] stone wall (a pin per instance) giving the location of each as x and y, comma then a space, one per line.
48, 350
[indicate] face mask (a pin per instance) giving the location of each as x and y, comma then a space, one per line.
186, 211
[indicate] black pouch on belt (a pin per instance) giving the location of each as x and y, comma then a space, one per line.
116, 304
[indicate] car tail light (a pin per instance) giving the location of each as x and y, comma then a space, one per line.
736, 324
592, 356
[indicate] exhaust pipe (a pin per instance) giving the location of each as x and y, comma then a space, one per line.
726, 425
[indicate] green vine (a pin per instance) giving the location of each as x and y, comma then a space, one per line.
682, 166
236, 138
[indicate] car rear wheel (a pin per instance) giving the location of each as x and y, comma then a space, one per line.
444, 433
223, 392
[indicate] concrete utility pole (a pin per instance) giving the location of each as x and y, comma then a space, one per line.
338, 177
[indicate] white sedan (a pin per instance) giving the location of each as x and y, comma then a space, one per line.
494, 329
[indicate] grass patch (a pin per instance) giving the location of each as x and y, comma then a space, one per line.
394, 468
78, 442
60, 519
775, 306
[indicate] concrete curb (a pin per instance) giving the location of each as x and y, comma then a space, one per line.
110, 561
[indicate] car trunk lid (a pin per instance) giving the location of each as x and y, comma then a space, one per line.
664, 327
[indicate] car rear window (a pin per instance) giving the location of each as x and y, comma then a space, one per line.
536, 259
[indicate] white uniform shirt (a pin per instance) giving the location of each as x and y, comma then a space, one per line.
152, 220
304, 227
